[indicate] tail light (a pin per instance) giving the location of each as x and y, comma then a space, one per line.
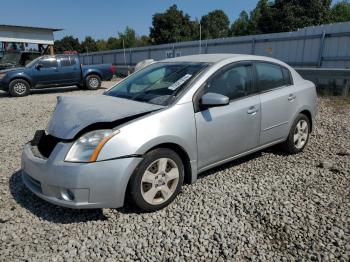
113, 69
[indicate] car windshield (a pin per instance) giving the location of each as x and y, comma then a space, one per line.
11, 58
158, 83
32, 63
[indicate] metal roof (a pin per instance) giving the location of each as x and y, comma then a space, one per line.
31, 27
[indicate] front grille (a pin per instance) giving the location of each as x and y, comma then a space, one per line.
45, 143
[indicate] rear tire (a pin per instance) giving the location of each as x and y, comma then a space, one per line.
298, 135
157, 180
19, 87
93, 82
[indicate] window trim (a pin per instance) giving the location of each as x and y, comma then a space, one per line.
275, 88
198, 94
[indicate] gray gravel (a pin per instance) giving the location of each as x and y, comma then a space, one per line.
267, 206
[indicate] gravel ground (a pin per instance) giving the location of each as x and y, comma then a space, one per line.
268, 206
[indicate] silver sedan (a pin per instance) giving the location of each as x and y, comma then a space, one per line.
161, 126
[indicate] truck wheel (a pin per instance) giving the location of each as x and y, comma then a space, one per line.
157, 180
19, 87
93, 82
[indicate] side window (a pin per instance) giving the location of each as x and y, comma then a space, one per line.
72, 60
49, 62
235, 82
269, 75
65, 61
287, 76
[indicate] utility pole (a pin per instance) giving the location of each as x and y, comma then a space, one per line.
124, 52
200, 38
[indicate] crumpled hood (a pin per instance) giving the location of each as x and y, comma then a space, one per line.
74, 113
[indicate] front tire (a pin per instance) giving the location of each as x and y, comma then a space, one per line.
298, 135
19, 87
93, 82
157, 180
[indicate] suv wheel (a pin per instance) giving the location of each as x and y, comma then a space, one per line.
93, 82
157, 180
19, 87
298, 135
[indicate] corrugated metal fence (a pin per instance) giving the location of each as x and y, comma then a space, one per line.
326, 46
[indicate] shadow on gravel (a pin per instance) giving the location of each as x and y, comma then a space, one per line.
275, 150
230, 164
51, 90
47, 211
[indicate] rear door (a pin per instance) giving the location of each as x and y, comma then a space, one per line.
278, 101
69, 70
227, 131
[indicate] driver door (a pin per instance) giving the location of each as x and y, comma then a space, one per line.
47, 73
227, 131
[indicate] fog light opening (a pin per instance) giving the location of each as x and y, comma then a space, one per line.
67, 195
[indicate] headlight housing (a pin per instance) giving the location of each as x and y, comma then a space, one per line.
88, 146
2, 75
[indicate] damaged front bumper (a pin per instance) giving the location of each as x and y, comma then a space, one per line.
76, 185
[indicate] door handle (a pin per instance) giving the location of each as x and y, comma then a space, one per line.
291, 97
252, 110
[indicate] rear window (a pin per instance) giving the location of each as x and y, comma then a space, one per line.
271, 76
67, 61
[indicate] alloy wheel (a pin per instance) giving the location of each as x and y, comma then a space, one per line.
160, 181
301, 134
20, 88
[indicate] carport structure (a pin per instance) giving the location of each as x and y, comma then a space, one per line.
25, 35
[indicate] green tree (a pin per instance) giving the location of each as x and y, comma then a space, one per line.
241, 25
88, 45
171, 26
285, 15
67, 43
340, 12
101, 45
144, 40
129, 37
215, 24
113, 43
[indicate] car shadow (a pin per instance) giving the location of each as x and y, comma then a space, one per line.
275, 150
56, 214
46, 211
52, 90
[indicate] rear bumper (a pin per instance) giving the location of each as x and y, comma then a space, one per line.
77, 185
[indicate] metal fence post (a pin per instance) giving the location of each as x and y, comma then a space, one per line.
346, 88
320, 54
253, 46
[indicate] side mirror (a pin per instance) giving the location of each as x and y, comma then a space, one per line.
38, 66
213, 100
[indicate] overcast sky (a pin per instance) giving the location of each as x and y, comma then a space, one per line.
103, 18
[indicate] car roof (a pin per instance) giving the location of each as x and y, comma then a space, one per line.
215, 58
